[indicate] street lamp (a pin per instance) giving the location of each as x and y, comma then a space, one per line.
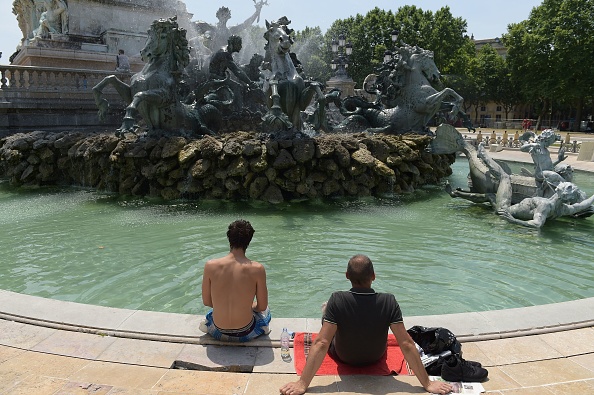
341, 50
394, 35
388, 54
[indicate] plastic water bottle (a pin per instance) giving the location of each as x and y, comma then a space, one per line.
284, 340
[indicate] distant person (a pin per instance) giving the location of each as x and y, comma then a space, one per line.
122, 62
355, 328
235, 287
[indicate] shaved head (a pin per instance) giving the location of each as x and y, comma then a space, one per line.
360, 270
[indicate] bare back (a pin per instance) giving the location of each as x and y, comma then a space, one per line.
230, 285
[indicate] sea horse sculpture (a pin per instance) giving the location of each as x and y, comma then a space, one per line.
153, 92
289, 93
406, 99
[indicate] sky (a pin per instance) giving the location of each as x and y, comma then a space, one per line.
485, 19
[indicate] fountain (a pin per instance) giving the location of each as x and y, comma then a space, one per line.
204, 177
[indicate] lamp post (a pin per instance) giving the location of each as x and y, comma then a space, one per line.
341, 50
388, 54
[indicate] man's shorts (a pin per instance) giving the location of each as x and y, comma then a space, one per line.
258, 326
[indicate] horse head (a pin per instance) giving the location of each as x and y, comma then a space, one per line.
278, 36
422, 61
166, 38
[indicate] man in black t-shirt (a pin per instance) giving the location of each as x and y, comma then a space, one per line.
355, 328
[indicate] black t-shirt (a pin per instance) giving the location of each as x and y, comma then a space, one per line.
363, 318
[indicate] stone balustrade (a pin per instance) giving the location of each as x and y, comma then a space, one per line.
27, 82
512, 140
48, 97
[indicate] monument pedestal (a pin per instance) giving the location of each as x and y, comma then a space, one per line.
346, 85
586, 151
88, 56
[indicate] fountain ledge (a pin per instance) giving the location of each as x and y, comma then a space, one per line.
183, 328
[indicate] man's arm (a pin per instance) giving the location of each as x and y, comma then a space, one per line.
527, 147
206, 296
261, 302
411, 354
569, 209
317, 352
538, 220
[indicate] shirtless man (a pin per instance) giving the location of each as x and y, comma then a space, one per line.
235, 287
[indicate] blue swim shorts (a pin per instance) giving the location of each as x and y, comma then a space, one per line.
258, 326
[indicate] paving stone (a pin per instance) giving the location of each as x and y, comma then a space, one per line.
546, 372
499, 380
119, 375
162, 323
9, 378
574, 388
75, 388
471, 352
385, 385
207, 383
586, 360
43, 364
568, 343
74, 344
62, 312
133, 391
38, 385
16, 334
517, 349
270, 383
237, 358
268, 360
7, 353
142, 352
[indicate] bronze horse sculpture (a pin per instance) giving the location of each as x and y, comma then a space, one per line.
287, 90
153, 92
409, 100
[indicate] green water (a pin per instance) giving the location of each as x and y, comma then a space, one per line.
437, 254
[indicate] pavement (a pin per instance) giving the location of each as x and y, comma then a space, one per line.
63, 348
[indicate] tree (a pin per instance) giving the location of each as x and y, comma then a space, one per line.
370, 35
550, 54
311, 52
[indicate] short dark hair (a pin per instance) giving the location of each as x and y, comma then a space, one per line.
240, 234
235, 41
360, 269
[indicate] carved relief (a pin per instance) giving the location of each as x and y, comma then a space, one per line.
39, 18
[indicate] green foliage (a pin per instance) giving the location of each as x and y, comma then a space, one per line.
551, 53
311, 51
370, 35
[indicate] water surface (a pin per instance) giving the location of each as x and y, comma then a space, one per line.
437, 254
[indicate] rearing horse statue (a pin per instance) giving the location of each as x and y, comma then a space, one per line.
153, 92
412, 99
288, 91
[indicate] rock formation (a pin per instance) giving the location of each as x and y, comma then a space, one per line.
235, 166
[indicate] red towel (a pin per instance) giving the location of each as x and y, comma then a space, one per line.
392, 362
